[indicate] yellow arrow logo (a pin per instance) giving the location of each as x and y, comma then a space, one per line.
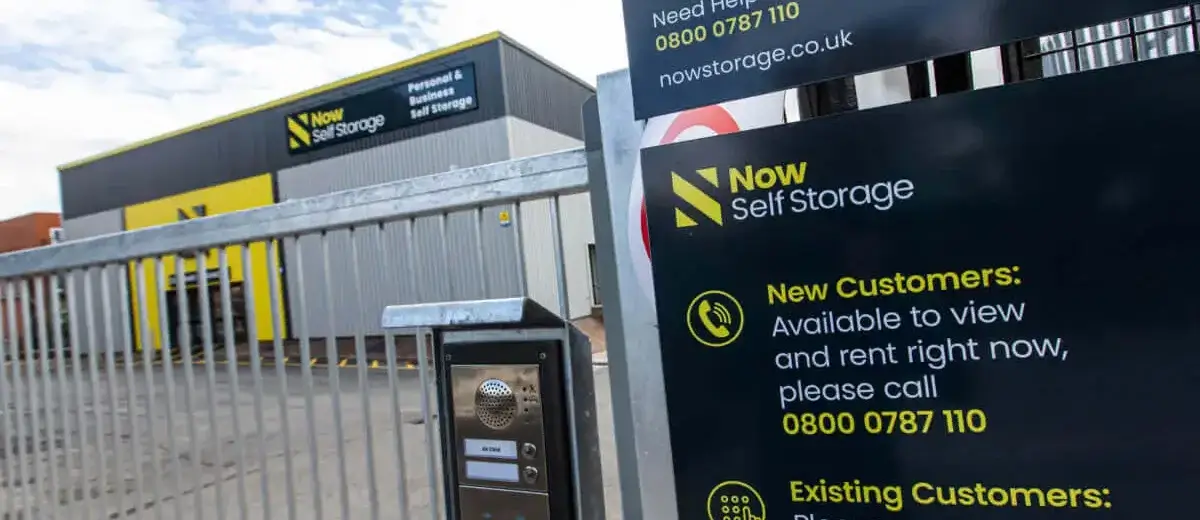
297, 134
696, 198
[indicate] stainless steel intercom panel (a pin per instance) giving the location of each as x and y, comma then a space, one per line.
516, 407
498, 426
504, 396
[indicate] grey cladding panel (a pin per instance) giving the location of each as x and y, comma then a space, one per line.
98, 224
399, 262
256, 143
94, 225
393, 268
527, 139
541, 93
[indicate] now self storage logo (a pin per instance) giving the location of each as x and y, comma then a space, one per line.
721, 195
319, 127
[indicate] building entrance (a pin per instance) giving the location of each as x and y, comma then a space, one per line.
193, 323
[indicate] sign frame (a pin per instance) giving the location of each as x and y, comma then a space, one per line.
973, 176
689, 53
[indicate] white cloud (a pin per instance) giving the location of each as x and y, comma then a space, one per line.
586, 37
78, 77
284, 7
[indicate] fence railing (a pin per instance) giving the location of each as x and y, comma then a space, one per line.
150, 371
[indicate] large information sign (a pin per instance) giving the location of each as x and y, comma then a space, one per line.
689, 53
971, 307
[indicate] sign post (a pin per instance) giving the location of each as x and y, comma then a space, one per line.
979, 306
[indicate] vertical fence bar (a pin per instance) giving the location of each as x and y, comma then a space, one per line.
564, 309
168, 364
11, 331
431, 450
77, 380
277, 333
410, 248
360, 352
210, 374
7, 315
89, 312
189, 388
110, 379
397, 423
394, 386
34, 483
48, 402
231, 359
479, 253
60, 366
335, 389
444, 244
423, 367
520, 245
306, 377
560, 271
256, 374
130, 380
146, 339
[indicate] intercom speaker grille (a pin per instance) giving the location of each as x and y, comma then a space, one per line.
495, 404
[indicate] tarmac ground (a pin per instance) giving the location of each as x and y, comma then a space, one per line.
202, 450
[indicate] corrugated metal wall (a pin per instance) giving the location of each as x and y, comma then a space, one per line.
529, 139
546, 105
387, 274
541, 93
85, 227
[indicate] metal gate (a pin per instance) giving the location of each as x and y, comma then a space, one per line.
207, 426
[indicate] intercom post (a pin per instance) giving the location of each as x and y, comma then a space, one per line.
516, 401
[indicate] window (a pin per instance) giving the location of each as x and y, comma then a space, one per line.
595, 276
1122, 41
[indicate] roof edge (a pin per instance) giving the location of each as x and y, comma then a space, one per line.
362, 76
538, 57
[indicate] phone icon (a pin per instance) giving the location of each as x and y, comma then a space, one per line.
708, 311
715, 318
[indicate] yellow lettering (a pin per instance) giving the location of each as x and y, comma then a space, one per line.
326, 117
791, 174
920, 283
797, 488
744, 180
918, 497
784, 293
847, 287
749, 178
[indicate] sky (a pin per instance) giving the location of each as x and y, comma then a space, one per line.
79, 77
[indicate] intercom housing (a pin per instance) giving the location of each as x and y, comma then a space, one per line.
516, 403
505, 397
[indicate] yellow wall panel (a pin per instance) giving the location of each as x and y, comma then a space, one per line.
233, 196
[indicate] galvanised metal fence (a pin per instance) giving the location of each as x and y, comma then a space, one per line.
114, 430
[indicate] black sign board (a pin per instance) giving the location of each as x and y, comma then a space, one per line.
689, 53
975, 306
405, 104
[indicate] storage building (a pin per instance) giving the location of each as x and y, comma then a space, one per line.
482, 101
